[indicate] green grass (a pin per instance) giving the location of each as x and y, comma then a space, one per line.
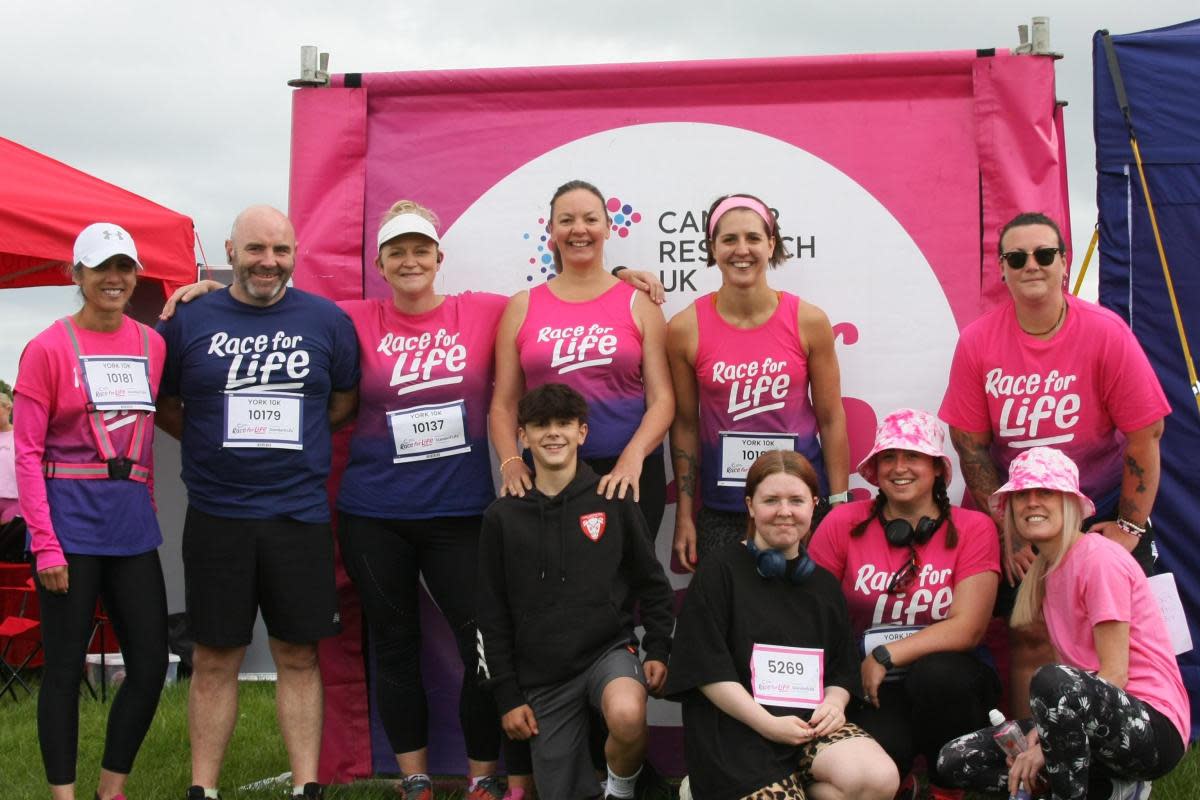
163, 767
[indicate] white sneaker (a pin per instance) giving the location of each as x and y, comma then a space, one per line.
685, 789
1129, 790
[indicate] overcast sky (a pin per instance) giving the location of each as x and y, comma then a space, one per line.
187, 104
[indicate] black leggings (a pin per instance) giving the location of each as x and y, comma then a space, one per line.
1090, 732
386, 559
135, 599
652, 487
943, 695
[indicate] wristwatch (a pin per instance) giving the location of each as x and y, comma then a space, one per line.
617, 269
882, 655
840, 497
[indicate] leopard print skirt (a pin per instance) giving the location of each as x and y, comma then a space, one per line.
792, 787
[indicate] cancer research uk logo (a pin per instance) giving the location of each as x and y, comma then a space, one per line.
541, 263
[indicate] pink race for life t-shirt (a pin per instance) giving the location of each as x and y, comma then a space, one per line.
865, 565
1096, 582
595, 347
90, 517
1077, 391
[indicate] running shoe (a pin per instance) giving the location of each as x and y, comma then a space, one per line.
197, 793
1129, 790
909, 788
313, 791
416, 789
942, 793
489, 787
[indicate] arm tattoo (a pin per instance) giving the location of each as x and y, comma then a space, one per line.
979, 471
1134, 468
686, 482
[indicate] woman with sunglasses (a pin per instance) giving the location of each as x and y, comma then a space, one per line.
1113, 714
1049, 368
744, 362
920, 580
84, 439
760, 625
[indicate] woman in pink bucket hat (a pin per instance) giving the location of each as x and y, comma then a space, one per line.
920, 580
1114, 714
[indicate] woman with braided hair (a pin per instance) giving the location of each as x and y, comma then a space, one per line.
920, 579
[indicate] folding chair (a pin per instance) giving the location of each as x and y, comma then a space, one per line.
16, 627
99, 622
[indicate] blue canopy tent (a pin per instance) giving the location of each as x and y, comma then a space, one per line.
1161, 76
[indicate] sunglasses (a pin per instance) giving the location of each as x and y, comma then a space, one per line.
903, 579
1017, 259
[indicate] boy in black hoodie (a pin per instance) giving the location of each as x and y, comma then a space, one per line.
556, 568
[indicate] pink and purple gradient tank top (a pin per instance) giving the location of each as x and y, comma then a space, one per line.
753, 387
594, 347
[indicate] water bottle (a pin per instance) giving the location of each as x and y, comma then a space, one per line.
1010, 738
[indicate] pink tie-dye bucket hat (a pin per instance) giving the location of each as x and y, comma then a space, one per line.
1042, 468
907, 429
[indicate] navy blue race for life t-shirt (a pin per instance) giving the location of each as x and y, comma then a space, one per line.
255, 383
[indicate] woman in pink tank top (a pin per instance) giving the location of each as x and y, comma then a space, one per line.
753, 369
604, 339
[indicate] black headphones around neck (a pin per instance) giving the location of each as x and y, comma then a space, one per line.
899, 533
773, 564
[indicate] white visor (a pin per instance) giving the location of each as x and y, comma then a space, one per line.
406, 223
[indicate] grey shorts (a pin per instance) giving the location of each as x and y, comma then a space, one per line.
562, 765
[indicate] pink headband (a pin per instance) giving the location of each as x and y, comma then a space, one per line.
740, 201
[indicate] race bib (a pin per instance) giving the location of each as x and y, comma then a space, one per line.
425, 432
787, 676
740, 450
117, 383
885, 635
264, 419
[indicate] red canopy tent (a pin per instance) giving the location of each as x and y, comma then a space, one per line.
45, 203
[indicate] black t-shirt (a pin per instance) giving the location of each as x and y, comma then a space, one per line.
730, 607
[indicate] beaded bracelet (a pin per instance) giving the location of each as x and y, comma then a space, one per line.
1130, 528
506, 461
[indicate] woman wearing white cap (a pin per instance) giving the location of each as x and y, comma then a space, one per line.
920, 580
1113, 715
84, 411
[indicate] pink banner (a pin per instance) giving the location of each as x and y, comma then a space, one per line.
890, 176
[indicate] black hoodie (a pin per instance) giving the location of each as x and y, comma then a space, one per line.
555, 574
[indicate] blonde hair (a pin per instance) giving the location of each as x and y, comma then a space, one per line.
409, 207
1027, 608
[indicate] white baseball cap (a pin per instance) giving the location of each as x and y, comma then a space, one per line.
100, 241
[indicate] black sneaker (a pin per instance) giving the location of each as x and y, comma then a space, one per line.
650, 784
197, 793
313, 791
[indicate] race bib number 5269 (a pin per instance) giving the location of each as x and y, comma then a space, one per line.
787, 676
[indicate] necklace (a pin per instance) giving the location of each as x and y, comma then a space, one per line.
1062, 313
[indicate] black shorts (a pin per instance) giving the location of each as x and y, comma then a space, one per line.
234, 567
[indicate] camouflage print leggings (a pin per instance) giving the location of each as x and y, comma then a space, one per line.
1089, 729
